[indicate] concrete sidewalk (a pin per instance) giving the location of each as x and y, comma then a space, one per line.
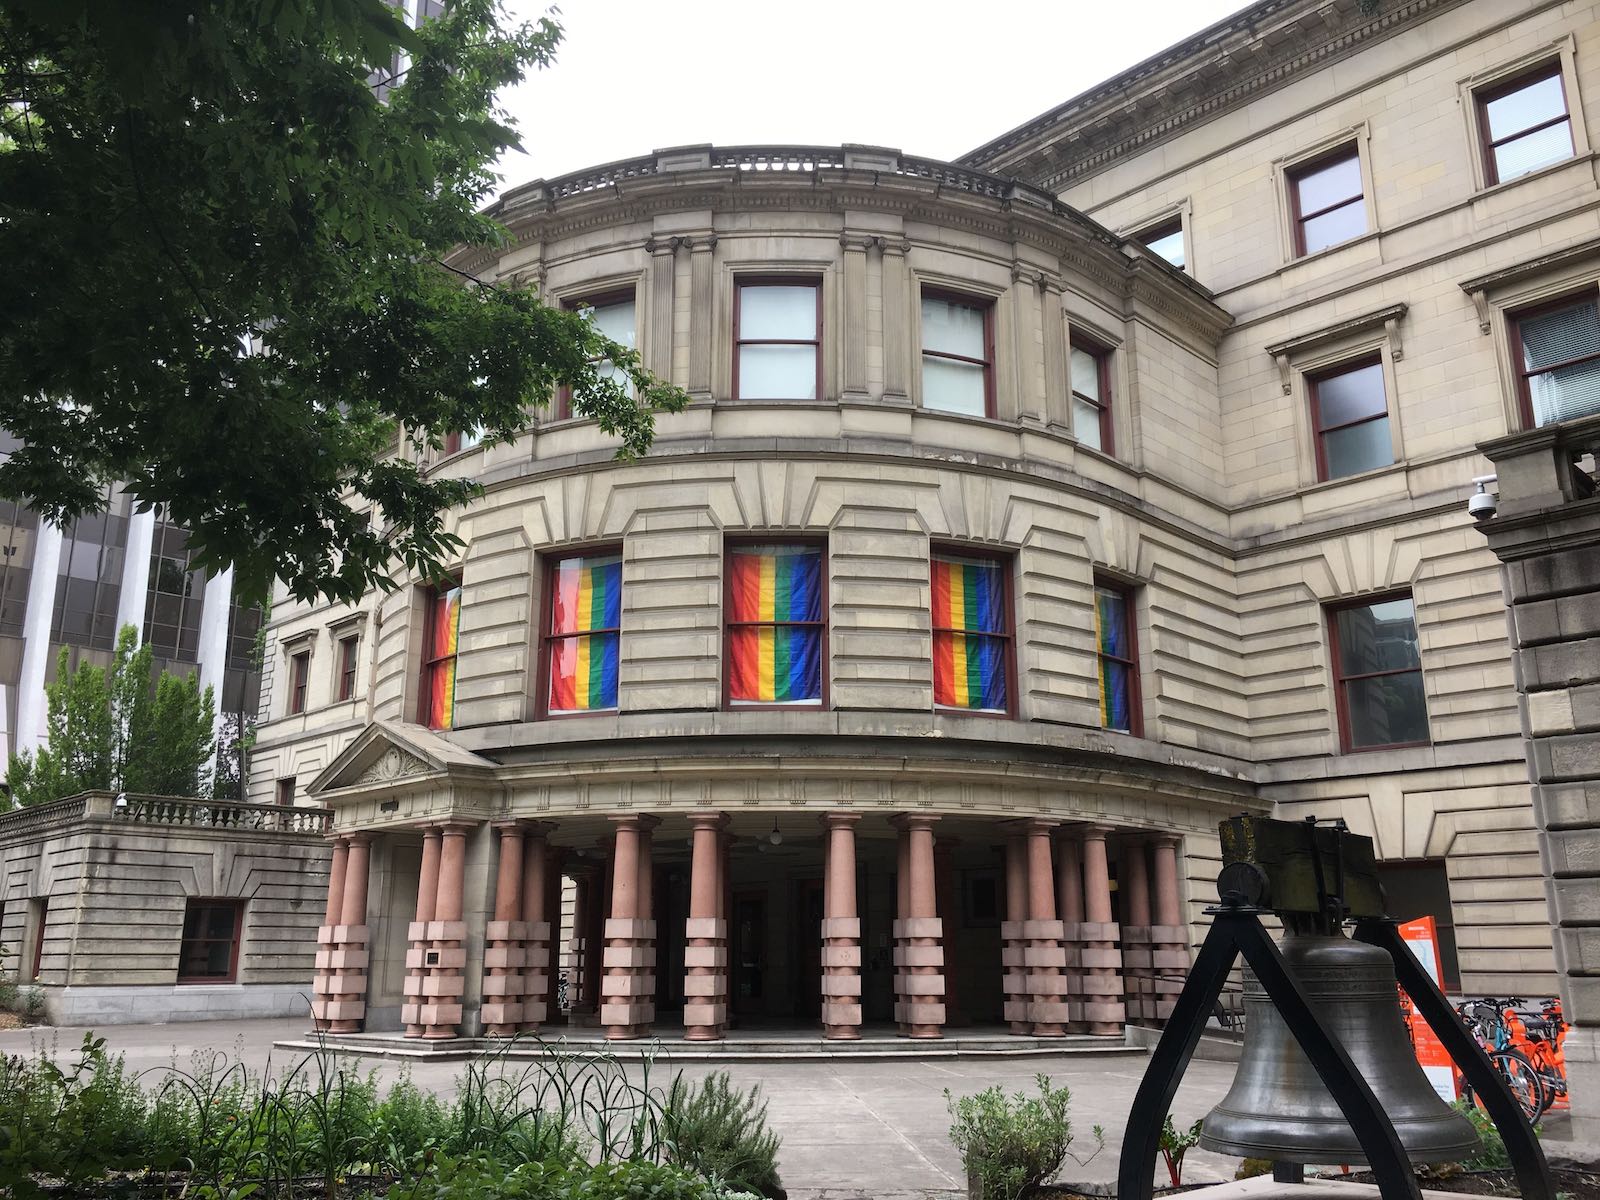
851, 1130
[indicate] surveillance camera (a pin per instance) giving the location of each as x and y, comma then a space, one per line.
1482, 506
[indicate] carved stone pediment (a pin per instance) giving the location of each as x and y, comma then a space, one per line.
394, 763
392, 752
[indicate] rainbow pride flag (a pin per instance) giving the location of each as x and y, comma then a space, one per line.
1111, 633
585, 615
444, 624
969, 666
770, 660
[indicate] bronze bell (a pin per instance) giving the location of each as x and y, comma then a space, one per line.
1278, 1108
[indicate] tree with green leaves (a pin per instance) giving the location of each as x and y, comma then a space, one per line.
118, 731
230, 276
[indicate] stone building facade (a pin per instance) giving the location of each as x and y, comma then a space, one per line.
119, 908
1107, 483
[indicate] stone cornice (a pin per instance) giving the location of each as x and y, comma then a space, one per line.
1285, 352
858, 179
1479, 287
1233, 62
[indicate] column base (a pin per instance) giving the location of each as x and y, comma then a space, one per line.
1051, 1030
840, 1033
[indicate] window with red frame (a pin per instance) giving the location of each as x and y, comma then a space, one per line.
209, 952
346, 682
1117, 649
1328, 200
1556, 349
582, 645
615, 316
1350, 414
299, 675
1524, 123
971, 600
440, 630
957, 354
777, 624
777, 332
1091, 394
1377, 671
461, 440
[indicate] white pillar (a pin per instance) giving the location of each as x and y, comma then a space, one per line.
214, 611
30, 732
136, 574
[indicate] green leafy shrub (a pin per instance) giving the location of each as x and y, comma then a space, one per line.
720, 1131
1493, 1156
1011, 1146
1174, 1145
480, 1177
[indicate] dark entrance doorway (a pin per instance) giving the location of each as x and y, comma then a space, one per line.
807, 955
748, 954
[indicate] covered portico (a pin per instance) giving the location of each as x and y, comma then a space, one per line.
451, 913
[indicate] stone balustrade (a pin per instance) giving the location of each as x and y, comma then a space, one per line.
168, 812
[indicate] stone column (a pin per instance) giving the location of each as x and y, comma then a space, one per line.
1013, 955
705, 955
854, 324
1045, 959
1069, 904
447, 935
1053, 328
923, 952
702, 314
322, 993
1102, 983
902, 911
724, 893
1133, 884
1026, 402
663, 280
841, 932
417, 934
503, 954
1169, 934
629, 980
348, 983
535, 937
944, 884
896, 323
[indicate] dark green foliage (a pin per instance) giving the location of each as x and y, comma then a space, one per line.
118, 733
181, 179
721, 1132
1012, 1145
483, 1178
1174, 1144
1493, 1156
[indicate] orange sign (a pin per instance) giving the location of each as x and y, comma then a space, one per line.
1422, 936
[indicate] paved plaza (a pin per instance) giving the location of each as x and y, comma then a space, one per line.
850, 1128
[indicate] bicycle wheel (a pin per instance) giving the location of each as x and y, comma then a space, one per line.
1523, 1080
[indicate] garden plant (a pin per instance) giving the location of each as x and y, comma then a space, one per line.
1012, 1145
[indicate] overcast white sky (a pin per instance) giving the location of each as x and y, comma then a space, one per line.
933, 78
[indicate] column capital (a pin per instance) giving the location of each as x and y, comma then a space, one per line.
702, 243
456, 828
1098, 833
535, 829
641, 822
839, 820
709, 820
358, 839
507, 825
663, 245
908, 820
1165, 839
1041, 826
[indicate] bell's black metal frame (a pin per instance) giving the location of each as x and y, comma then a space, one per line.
1236, 931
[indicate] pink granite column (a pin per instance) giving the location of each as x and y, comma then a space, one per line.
533, 935
924, 949
322, 994
1169, 935
629, 961
348, 983
1069, 906
724, 896
447, 936
1013, 955
647, 914
1045, 959
944, 885
841, 932
705, 954
503, 953
1133, 885
1102, 982
902, 912
417, 934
